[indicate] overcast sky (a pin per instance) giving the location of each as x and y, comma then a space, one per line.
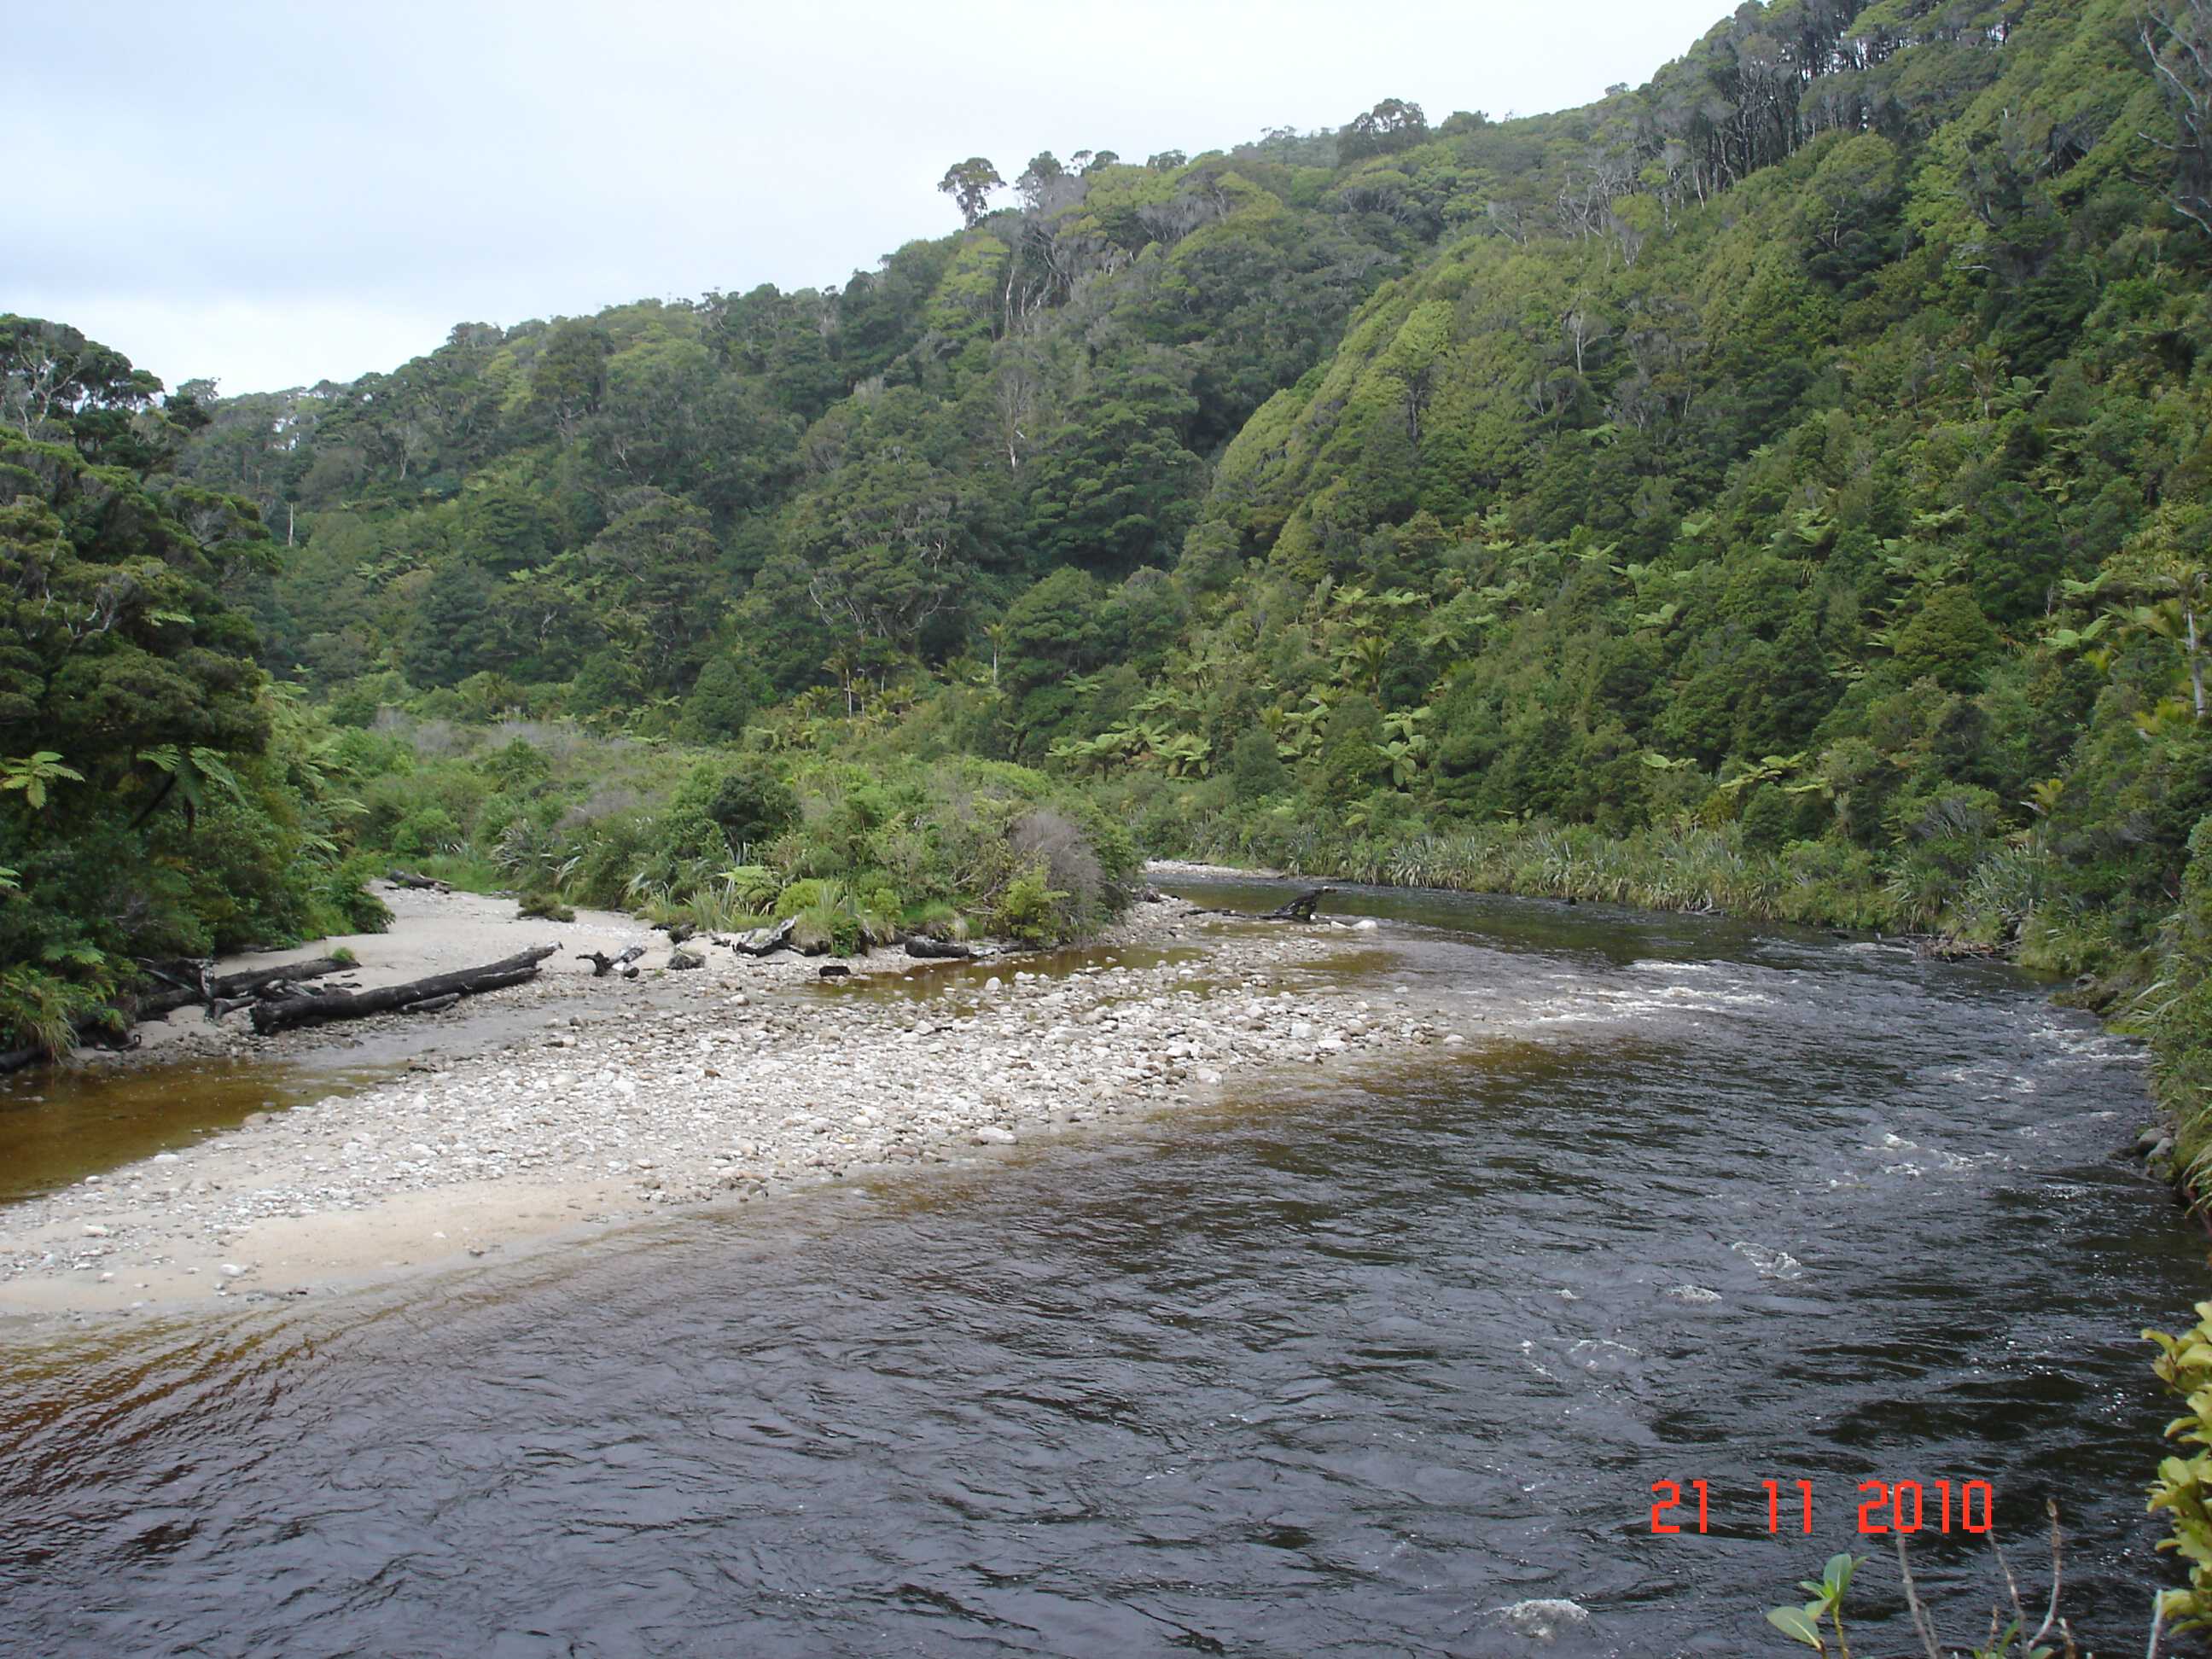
270, 194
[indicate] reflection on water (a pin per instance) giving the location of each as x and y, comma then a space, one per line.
1347, 1370
62, 1123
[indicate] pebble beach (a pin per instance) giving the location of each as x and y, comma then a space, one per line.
573, 1104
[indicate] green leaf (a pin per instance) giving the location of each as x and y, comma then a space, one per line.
1793, 1621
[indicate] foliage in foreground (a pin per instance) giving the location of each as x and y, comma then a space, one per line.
2184, 1485
2013, 1631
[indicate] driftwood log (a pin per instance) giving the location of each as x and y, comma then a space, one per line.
603, 964
417, 996
212, 988
1300, 908
765, 941
930, 950
428, 884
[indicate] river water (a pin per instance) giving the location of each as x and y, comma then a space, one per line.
1340, 1368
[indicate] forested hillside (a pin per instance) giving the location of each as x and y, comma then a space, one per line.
1782, 487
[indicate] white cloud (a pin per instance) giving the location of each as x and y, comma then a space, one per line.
279, 193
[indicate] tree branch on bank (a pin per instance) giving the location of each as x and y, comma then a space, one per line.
421, 995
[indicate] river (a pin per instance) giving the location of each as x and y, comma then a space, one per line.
1352, 1367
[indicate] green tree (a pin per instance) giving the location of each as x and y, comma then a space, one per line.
723, 699
1948, 641
970, 182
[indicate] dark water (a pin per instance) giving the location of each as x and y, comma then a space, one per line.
1345, 1371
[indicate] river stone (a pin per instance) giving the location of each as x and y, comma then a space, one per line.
992, 1135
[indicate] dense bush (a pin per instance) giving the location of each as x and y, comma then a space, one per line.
859, 853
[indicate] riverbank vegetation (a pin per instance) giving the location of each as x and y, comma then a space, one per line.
2183, 1487
159, 794
861, 855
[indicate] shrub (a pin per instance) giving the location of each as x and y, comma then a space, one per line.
1031, 909
1047, 840
343, 903
1255, 769
752, 887
802, 896
749, 802
42, 1009
723, 699
2183, 1487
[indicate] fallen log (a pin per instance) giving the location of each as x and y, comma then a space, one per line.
930, 950
603, 964
270, 1017
182, 973
765, 941
1300, 908
428, 884
228, 987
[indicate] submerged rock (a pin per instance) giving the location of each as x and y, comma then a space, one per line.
1543, 1620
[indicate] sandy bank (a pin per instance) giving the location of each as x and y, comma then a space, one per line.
434, 934
604, 1101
